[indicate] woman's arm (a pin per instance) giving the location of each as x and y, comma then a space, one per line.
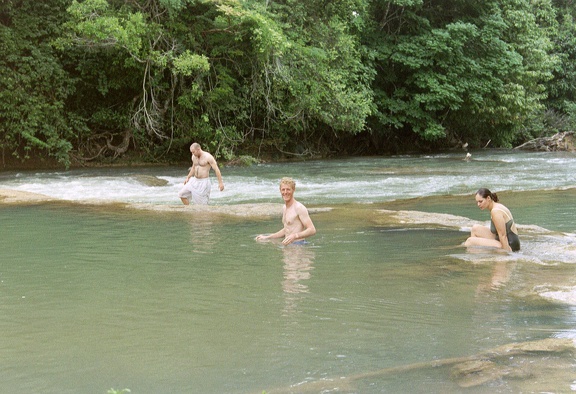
500, 224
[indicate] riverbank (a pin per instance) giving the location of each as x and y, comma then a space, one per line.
559, 142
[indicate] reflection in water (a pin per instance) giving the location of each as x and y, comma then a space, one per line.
502, 262
202, 237
298, 261
501, 273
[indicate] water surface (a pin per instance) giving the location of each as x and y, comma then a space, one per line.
99, 296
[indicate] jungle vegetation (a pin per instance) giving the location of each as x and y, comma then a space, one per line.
106, 80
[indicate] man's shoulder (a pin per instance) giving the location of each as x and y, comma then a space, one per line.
299, 206
207, 156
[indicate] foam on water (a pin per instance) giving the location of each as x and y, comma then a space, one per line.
358, 180
541, 248
565, 295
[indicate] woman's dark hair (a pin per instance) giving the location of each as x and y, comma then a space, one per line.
484, 193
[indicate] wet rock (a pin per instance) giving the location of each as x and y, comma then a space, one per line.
150, 180
8, 196
244, 210
565, 141
439, 220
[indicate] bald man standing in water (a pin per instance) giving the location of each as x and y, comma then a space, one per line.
197, 184
295, 218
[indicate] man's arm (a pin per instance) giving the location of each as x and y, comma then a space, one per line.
214, 166
310, 229
277, 234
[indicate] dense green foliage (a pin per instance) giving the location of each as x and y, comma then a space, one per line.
105, 79
33, 83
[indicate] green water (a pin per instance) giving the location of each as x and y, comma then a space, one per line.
98, 297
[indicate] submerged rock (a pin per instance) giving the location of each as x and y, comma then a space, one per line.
564, 141
556, 345
256, 210
389, 217
477, 372
546, 364
523, 361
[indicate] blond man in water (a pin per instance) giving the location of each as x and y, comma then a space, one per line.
297, 223
197, 185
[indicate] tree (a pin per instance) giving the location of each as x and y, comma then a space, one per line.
33, 85
225, 72
560, 114
465, 70
298, 77
138, 93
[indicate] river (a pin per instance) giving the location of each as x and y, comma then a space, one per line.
113, 283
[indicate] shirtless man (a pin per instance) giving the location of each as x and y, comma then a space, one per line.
297, 222
197, 184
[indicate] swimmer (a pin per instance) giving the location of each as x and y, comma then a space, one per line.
502, 232
297, 223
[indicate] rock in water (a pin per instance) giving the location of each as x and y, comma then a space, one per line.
150, 180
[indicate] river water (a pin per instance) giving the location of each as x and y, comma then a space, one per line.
96, 294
